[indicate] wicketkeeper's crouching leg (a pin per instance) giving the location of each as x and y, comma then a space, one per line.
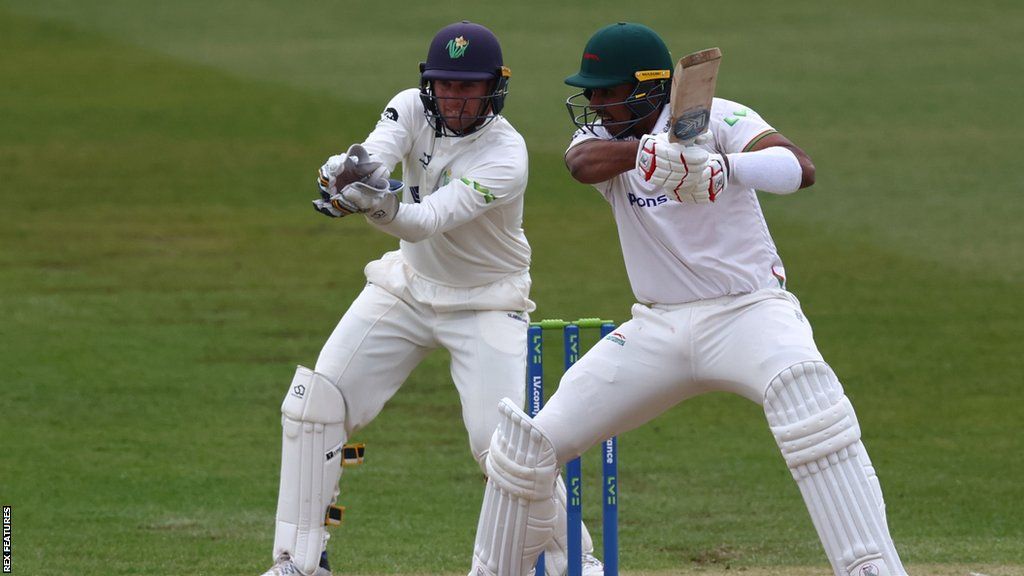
313, 439
816, 428
519, 512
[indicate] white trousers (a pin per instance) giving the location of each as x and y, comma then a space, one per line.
666, 354
750, 345
381, 338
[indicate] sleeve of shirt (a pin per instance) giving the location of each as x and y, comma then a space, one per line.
582, 135
392, 137
497, 179
736, 127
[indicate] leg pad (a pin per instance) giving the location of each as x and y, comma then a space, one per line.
518, 516
312, 418
816, 429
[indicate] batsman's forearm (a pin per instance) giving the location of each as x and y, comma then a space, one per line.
600, 160
775, 169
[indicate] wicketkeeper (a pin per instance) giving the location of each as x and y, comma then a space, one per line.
460, 281
712, 314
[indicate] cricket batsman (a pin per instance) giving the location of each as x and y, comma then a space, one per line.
460, 280
712, 314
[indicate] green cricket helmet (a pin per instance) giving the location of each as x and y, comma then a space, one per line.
622, 53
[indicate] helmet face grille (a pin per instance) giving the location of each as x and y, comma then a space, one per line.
481, 110
646, 99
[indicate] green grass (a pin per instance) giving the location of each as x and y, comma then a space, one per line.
161, 272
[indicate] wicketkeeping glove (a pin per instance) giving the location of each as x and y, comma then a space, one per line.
341, 170
334, 206
377, 199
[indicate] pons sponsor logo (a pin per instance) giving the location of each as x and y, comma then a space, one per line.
635, 200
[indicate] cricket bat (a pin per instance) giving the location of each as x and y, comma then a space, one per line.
693, 87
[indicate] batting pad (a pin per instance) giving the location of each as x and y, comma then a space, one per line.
313, 438
519, 513
816, 428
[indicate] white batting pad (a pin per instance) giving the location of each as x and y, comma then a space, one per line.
313, 414
816, 429
519, 511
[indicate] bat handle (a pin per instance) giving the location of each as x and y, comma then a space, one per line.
689, 125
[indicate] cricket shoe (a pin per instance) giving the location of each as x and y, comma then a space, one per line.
284, 566
592, 566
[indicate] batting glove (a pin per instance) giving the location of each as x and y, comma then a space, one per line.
713, 180
378, 200
669, 165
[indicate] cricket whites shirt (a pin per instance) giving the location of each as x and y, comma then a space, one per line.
677, 253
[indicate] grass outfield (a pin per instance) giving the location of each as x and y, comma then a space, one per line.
924, 569
161, 273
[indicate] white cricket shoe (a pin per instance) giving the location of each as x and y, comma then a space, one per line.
284, 566
592, 566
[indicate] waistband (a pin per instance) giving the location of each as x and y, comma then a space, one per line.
754, 296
